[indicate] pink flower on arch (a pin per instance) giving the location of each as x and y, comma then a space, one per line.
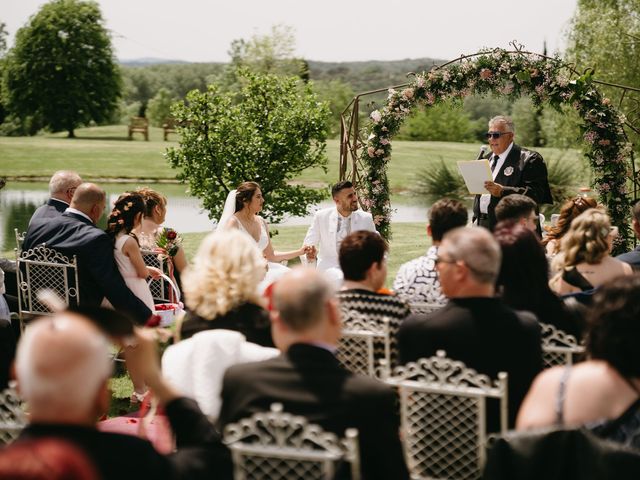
407, 93
604, 142
376, 116
371, 151
430, 98
485, 74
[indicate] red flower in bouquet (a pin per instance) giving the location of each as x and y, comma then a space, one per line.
169, 241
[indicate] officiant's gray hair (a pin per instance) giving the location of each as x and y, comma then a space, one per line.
506, 121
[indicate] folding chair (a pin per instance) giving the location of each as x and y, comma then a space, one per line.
12, 417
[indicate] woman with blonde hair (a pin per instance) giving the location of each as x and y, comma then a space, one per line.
584, 262
570, 210
221, 288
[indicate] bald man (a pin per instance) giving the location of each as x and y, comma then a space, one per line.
308, 380
63, 368
74, 233
62, 186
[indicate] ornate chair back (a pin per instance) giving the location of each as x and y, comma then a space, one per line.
159, 288
360, 337
443, 416
42, 268
558, 347
12, 417
424, 308
279, 446
19, 239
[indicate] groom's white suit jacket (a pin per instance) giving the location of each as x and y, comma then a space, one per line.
322, 233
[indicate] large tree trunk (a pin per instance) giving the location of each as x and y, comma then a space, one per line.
71, 133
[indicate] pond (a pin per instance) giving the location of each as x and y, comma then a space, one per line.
184, 213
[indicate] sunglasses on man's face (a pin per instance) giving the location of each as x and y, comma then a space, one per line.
495, 135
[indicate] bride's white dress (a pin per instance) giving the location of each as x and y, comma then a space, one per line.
275, 270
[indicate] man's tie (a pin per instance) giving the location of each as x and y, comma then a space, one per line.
494, 162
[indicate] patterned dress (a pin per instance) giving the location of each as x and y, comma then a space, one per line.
417, 280
377, 306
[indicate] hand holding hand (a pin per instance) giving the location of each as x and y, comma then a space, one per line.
494, 189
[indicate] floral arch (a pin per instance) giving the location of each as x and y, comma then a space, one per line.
511, 73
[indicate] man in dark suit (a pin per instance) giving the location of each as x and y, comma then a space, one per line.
514, 170
63, 369
633, 257
475, 327
62, 185
74, 233
308, 380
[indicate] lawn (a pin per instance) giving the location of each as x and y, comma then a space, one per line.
105, 152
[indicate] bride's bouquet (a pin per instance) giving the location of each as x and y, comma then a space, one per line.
169, 241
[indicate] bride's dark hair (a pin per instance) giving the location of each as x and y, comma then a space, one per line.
124, 212
244, 193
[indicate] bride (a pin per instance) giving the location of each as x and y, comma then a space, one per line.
241, 211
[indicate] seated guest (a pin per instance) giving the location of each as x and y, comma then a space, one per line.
62, 185
475, 327
45, 459
584, 262
221, 288
63, 369
633, 257
308, 380
523, 281
602, 393
331, 225
570, 210
7, 338
417, 280
519, 209
74, 233
363, 260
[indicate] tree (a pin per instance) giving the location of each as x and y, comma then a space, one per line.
160, 107
446, 122
270, 131
338, 95
62, 69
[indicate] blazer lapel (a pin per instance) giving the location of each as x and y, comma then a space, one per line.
510, 173
333, 226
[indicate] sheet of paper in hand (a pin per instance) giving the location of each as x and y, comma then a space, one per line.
475, 173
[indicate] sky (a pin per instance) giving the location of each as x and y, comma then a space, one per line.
325, 30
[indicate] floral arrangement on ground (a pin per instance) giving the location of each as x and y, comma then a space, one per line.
510, 73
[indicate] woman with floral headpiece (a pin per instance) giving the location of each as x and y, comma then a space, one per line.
569, 210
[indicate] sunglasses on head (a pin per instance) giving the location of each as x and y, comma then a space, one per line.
495, 134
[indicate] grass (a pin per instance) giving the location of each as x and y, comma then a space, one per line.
105, 152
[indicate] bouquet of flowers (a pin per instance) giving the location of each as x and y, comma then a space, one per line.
169, 241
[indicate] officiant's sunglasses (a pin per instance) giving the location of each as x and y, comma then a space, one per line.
495, 135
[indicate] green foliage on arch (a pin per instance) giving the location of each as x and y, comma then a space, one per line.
545, 80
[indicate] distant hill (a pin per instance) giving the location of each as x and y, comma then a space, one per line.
143, 62
372, 74
362, 76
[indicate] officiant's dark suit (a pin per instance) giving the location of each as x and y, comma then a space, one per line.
523, 172
308, 380
73, 234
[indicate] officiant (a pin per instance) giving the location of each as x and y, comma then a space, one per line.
514, 170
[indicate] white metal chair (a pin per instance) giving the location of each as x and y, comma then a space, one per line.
558, 347
159, 288
276, 445
360, 336
12, 417
42, 268
424, 308
443, 416
19, 238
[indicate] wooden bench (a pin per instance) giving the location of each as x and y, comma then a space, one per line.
169, 126
140, 125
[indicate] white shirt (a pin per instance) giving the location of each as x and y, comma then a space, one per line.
342, 229
485, 198
78, 212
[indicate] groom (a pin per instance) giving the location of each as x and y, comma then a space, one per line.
331, 225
